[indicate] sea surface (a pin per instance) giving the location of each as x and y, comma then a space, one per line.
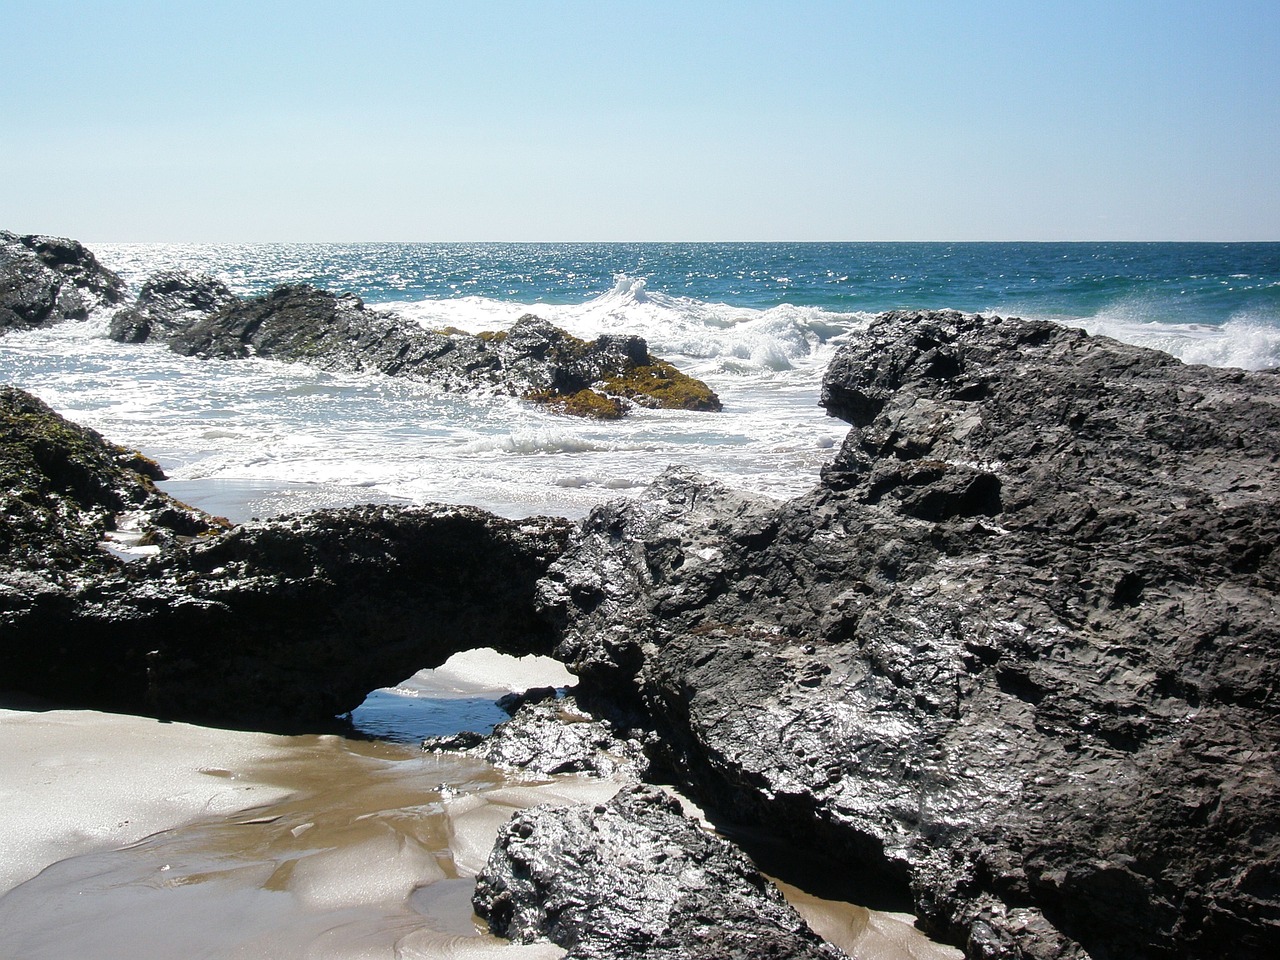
758, 322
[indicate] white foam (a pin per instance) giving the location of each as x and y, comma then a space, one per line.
1245, 342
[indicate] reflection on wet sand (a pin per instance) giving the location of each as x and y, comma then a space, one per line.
248, 845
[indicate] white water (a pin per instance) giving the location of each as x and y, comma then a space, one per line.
269, 426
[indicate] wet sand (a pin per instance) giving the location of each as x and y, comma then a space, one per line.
122, 837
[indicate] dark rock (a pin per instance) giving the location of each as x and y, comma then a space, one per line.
554, 736
291, 621
635, 878
512, 702
44, 280
463, 740
287, 622
1017, 656
168, 302
65, 488
533, 359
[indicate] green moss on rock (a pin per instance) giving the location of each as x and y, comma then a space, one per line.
584, 403
660, 385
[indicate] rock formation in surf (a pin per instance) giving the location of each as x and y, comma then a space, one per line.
1015, 658
65, 490
45, 280
279, 623
168, 303
534, 359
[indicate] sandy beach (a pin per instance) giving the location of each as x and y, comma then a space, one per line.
126, 837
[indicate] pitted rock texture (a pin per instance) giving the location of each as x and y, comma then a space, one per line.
1018, 655
634, 877
282, 623
288, 622
45, 280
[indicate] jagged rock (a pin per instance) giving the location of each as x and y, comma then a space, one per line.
290, 621
1017, 656
65, 488
44, 280
635, 878
169, 302
554, 736
512, 702
533, 359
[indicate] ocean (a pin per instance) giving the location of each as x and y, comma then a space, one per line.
757, 321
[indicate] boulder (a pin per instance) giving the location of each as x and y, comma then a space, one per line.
634, 877
169, 302
551, 736
1015, 659
45, 280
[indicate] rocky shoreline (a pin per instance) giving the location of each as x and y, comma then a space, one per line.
1014, 660
47, 280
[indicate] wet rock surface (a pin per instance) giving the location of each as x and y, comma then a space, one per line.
66, 488
286, 622
634, 878
533, 360
45, 280
168, 303
289, 622
552, 736
1015, 659
1017, 656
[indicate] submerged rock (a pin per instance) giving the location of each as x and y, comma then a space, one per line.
634, 877
533, 359
169, 302
45, 280
1016, 657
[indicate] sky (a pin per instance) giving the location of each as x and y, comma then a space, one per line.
631, 121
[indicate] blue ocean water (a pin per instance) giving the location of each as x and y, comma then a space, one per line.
1169, 283
758, 321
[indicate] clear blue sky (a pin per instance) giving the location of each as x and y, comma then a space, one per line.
608, 120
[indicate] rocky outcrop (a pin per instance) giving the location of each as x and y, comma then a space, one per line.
635, 878
533, 359
66, 489
1016, 658
45, 280
168, 303
282, 623
288, 622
